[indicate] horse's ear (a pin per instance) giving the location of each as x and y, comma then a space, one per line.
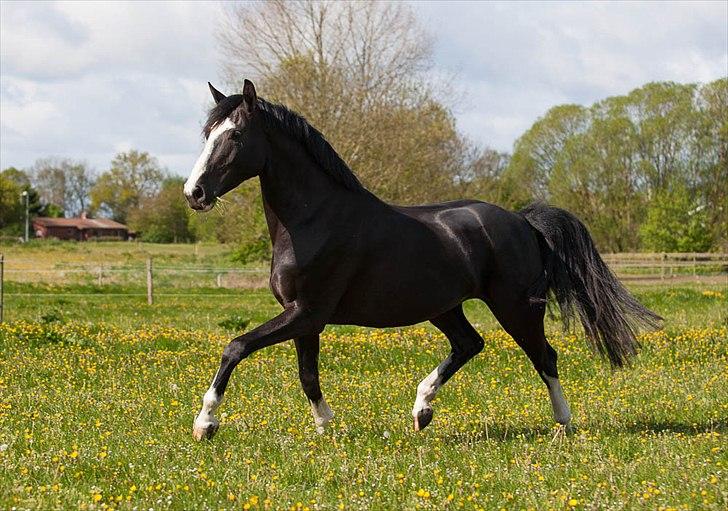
249, 95
216, 94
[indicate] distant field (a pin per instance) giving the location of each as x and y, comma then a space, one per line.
98, 391
181, 265
51, 253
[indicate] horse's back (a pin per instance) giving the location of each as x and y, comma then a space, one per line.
500, 243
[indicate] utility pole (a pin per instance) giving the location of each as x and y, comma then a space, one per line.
27, 214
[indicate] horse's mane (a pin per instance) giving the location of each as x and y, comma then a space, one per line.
298, 128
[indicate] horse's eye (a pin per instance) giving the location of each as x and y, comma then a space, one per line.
237, 134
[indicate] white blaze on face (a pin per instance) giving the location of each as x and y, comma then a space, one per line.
201, 164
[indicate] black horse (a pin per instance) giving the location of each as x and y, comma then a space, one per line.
343, 256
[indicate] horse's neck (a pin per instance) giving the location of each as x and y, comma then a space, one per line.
295, 189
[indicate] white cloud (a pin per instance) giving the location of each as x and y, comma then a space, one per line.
83, 80
516, 60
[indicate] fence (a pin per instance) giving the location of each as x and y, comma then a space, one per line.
662, 266
140, 275
635, 267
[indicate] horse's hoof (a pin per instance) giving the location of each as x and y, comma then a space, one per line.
205, 431
423, 418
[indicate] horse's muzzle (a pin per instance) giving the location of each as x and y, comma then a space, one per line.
200, 200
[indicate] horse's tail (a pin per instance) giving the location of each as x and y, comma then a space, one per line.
583, 285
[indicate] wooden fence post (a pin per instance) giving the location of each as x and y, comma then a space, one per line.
695, 267
150, 283
2, 295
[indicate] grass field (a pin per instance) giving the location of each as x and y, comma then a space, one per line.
98, 393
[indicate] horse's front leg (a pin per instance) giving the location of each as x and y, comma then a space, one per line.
307, 348
292, 322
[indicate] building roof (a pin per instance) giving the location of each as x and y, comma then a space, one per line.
79, 223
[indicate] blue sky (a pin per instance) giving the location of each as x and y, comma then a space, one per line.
86, 80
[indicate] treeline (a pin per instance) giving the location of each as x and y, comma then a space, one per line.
648, 170
135, 190
645, 171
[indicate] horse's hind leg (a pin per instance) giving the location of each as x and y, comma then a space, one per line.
307, 349
524, 322
465, 343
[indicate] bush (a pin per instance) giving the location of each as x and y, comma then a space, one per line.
253, 251
235, 323
676, 222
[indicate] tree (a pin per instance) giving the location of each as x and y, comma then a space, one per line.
63, 182
712, 141
595, 178
13, 182
12, 210
676, 222
357, 72
133, 177
537, 151
19, 177
480, 175
79, 181
163, 218
609, 162
49, 177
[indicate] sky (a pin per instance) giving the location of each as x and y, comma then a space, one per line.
86, 80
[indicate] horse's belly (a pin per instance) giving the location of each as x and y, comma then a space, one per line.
380, 301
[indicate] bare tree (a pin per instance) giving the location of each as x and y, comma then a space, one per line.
79, 181
49, 178
378, 47
63, 182
357, 71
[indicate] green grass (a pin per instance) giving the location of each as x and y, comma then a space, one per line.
98, 391
54, 253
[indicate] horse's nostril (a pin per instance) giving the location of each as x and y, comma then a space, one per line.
198, 193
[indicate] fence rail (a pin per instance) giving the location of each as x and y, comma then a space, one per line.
631, 266
700, 267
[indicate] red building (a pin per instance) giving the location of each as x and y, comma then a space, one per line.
80, 229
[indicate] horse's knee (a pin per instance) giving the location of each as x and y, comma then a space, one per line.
234, 352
